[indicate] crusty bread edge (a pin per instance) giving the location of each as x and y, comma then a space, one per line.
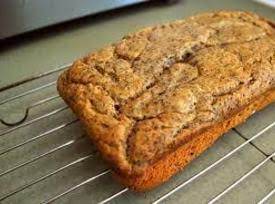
170, 164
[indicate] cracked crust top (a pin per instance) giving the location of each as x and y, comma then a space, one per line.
145, 95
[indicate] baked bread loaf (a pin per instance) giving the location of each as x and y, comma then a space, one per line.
155, 100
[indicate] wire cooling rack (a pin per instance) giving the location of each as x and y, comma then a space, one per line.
45, 157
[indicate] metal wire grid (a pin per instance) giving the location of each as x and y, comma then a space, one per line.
23, 122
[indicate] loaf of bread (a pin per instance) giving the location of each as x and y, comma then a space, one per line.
158, 98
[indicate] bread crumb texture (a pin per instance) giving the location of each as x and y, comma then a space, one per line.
144, 96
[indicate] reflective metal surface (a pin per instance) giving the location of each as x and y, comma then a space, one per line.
47, 158
19, 16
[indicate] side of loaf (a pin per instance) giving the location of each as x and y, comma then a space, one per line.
161, 96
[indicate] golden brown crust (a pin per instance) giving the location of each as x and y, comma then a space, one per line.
176, 160
145, 95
